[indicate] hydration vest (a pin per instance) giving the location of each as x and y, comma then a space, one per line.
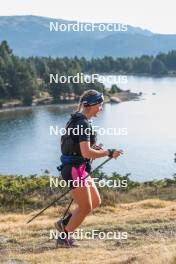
69, 142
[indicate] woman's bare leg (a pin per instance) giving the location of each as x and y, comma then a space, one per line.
87, 199
95, 196
82, 196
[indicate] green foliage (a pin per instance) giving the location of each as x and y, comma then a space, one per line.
158, 67
3, 91
115, 89
17, 76
17, 191
23, 193
143, 65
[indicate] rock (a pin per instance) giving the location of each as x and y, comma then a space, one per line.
15, 103
4, 239
106, 99
115, 100
43, 100
14, 261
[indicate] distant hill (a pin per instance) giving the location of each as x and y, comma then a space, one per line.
30, 36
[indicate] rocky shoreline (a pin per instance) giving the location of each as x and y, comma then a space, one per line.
122, 96
46, 99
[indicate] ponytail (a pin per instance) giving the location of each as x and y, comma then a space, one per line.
79, 107
85, 94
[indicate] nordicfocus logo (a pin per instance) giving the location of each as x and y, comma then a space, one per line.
79, 130
116, 183
85, 78
88, 27
80, 234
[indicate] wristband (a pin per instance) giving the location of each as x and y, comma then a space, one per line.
111, 151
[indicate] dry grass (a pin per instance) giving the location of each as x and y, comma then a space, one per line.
150, 224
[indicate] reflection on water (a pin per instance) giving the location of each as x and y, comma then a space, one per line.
26, 146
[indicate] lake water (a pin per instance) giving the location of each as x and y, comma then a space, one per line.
26, 146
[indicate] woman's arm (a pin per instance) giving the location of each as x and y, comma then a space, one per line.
90, 153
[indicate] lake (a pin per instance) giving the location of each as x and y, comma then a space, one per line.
27, 147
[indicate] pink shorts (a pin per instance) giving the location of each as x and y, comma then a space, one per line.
74, 176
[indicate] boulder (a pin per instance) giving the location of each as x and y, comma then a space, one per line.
115, 100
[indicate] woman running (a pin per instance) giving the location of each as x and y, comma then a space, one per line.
78, 148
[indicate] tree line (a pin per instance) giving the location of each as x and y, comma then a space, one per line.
24, 78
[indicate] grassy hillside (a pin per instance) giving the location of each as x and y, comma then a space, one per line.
146, 211
150, 224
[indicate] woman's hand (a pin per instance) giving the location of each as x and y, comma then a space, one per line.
115, 153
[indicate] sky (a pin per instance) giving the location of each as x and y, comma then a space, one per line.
155, 15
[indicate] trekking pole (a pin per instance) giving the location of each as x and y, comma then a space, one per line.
68, 208
65, 193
